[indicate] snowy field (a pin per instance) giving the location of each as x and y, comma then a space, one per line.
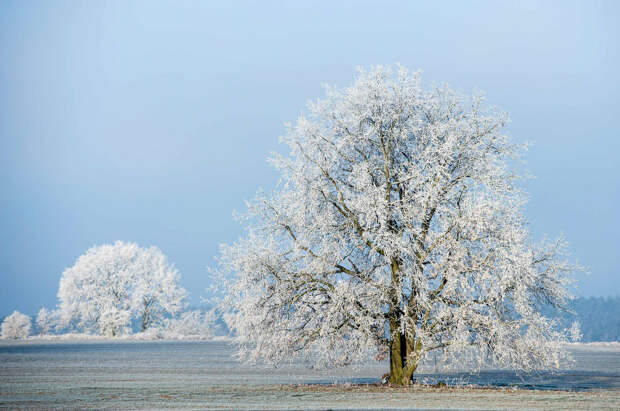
138, 374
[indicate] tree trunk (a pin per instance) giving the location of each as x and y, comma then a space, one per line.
396, 359
146, 313
402, 363
144, 321
404, 349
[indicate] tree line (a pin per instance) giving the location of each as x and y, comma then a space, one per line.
595, 316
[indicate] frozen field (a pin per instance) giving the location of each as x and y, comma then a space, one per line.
203, 375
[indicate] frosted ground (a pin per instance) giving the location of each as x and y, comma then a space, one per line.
137, 374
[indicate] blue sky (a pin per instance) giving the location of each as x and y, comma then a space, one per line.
151, 121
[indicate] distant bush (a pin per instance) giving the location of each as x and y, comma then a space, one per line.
190, 324
16, 326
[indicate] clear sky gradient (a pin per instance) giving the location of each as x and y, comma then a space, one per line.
151, 121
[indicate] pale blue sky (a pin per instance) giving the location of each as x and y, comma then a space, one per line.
151, 121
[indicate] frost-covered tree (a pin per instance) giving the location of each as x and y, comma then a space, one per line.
95, 292
46, 320
16, 326
113, 283
396, 230
156, 291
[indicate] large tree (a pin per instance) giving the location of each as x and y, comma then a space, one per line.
112, 283
396, 230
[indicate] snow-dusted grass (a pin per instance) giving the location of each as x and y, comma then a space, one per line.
92, 372
417, 397
338, 397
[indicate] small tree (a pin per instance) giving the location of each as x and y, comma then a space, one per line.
397, 230
113, 321
46, 320
156, 291
113, 283
16, 326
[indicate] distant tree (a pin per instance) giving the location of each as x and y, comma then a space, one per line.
16, 326
575, 332
46, 320
156, 291
397, 230
113, 283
